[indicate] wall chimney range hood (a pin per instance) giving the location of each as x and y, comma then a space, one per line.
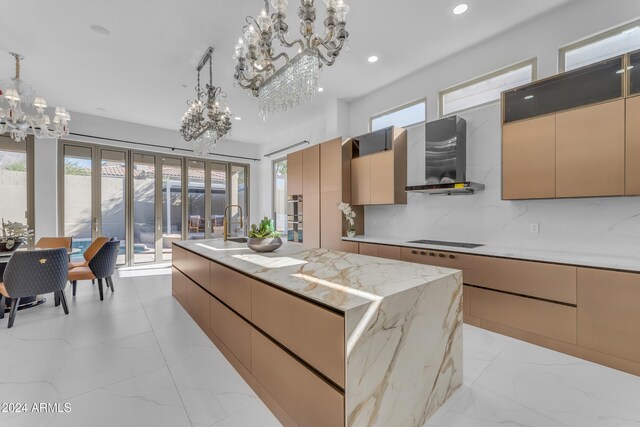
446, 159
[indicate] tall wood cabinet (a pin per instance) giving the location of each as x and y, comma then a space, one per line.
311, 196
632, 157
294, 174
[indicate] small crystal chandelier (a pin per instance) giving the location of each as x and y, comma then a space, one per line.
296, 81
205, 121
21, 110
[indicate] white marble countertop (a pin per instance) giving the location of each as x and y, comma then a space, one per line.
607, 261
340, 280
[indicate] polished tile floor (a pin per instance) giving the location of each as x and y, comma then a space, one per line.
137, 359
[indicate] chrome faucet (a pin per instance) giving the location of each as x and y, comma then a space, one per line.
226, 223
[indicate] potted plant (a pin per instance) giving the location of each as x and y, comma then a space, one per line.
264, 237
350, 216
14, 234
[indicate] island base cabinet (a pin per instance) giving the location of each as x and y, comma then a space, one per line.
179, 285
198, 304
608, 314
307, 399
234, 332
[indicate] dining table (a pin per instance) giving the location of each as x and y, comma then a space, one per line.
26, 302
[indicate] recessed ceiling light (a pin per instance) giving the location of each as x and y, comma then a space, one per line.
320, 89
100, 29
238, 118
528, 97
373, 59
460, 9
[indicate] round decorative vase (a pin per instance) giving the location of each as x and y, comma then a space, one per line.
351, 233
10, 245
264, 245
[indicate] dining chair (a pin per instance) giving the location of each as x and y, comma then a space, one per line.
32, 273
90, 252
194, 223
54, 243
101, 267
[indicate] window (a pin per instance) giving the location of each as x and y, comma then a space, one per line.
280, 194
16, 183
486, 89
404, 116
600, 47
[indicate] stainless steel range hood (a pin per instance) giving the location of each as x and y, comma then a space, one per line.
446, 159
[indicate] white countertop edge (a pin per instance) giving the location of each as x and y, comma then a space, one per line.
602, 261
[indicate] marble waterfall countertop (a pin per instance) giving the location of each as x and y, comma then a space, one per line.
606, 261
340, 280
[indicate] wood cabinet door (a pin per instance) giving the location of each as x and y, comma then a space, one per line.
311, 170
361, 180
529, 159
331, 165
382, 178
330, 220
608, 315
311, 220
294, 173
590, 151
632, 157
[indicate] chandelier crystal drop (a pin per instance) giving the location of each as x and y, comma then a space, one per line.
21, 110
205, 121
281, 83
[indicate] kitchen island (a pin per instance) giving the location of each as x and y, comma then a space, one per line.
325, 337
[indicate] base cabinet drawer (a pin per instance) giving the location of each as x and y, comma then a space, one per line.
179, 258
179, 285
232, 330
231, 287
547, 281
313, 333
547, 319
306, 398
608, 314
198, 304
381, 251
198, 269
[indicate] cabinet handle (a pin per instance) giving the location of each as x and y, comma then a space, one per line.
451, 256
423, 253
441, 255
414, 252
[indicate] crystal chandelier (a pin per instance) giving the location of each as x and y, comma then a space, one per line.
205, 121
296, 81
21, 110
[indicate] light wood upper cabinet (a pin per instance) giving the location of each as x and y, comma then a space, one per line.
331, 220
590, 151
294, 173
529, 159
311, 220
632, 181
382, 180
608, 315
331, 165
311, 170
361, 180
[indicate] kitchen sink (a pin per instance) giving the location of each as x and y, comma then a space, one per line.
238, 239
442, 243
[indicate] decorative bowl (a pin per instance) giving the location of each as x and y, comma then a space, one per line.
10, 245
264, 245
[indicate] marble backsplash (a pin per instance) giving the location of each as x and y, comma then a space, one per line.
608, 225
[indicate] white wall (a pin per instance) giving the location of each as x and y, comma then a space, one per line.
594, 225
46, 158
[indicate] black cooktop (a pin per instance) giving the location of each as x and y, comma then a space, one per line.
452, 244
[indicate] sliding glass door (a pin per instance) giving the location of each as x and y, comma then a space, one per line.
113, 198
16, 180
146, 200
280, 195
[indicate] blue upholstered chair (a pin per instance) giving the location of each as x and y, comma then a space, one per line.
32, 273
102, 266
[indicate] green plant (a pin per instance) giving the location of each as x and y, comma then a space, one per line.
266, 230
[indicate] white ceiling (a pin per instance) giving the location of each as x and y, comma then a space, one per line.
136, 74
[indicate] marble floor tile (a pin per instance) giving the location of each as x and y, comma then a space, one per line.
211, 389
255, 415
182, 340
487, 347
146, 400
